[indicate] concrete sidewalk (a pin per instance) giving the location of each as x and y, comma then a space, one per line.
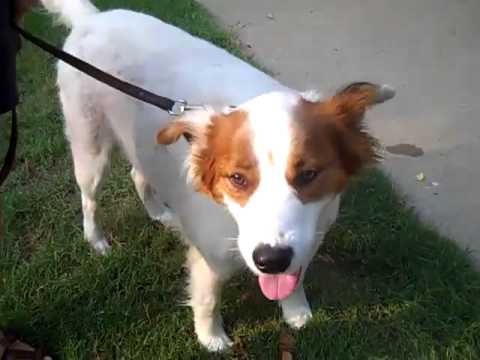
429, 50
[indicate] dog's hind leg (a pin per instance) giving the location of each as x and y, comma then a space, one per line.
90, 143
205, 293
89, 170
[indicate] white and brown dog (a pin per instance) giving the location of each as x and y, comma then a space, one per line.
258, 184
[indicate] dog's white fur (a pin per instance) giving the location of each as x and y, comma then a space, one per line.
168, 61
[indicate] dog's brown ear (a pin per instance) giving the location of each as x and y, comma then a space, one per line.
172, 132
356, 147
350, 103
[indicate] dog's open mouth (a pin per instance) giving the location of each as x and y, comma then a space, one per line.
278, 286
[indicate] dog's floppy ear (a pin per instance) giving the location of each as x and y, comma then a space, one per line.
192, 126
173, 131
356, 147
350, 103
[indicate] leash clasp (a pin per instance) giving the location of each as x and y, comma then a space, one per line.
180, 106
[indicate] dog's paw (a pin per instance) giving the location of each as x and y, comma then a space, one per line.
216, 343
297, 319
101, 246
166, 217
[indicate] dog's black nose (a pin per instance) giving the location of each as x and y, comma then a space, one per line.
272, 260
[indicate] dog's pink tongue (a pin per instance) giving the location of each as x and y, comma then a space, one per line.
278, 287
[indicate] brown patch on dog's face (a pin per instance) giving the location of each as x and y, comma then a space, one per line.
222, 161
226, 165
330, 144
314, 168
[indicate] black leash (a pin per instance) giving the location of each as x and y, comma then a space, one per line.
173, 107
10, 157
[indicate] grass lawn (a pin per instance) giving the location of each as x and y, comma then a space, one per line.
383, 287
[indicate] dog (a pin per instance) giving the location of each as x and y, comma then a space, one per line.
253, 179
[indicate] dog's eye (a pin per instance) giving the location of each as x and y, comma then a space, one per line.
305, 177
238, 180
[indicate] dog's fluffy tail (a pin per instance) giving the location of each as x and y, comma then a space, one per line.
70, 11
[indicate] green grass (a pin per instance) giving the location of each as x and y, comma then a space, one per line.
383, 287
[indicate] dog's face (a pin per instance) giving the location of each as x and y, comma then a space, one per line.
278, 163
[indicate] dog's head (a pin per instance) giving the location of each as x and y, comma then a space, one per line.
278, 163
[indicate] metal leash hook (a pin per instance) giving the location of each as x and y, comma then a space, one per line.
180, 106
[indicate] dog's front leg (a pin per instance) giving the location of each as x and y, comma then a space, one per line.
205, 292
296, 309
